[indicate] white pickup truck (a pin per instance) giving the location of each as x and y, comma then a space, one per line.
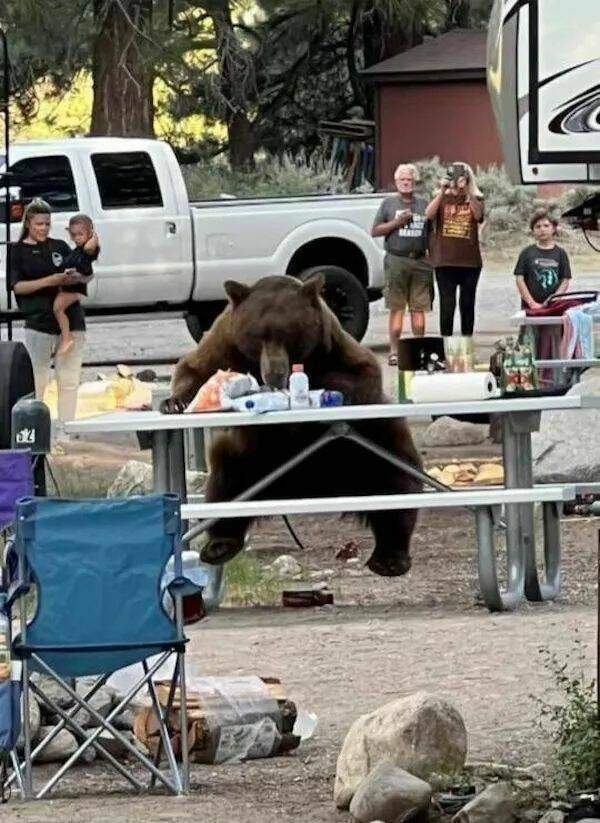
162, 253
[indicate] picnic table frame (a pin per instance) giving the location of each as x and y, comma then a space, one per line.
519, 417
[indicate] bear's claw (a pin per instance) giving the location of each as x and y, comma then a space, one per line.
220, 550
171, 406
392, 566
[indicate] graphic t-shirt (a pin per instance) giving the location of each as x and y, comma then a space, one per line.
410, 239
542, 270
456, 238
32, 261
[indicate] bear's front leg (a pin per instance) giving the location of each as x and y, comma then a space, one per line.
232, 471
392, 531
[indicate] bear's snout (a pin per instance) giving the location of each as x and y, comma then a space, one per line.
274, 365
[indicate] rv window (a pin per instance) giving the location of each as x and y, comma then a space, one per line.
50, 178
126, 180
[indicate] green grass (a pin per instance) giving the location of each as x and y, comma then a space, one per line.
248, 584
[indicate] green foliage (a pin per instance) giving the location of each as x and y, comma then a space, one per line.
248, 585
272, 177
573, 722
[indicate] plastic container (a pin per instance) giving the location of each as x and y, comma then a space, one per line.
193, 603
262, 402
299, 388
323, 398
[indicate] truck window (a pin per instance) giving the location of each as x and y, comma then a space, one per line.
126, 180
50, 178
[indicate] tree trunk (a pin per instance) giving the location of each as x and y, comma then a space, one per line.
383, 38
123, 74
236, 86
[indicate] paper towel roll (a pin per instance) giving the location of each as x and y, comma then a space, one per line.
446, 387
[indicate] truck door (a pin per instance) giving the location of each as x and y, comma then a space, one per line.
146, 240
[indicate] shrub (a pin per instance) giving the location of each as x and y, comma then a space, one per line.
573, 722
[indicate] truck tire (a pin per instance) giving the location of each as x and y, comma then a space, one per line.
201, 316
345, 296
16, 381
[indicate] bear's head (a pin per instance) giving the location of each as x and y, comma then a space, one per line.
277, 322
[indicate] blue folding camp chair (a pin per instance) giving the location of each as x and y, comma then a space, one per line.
16, 480
97, 567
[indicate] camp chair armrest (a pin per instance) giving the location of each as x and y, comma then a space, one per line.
194, 581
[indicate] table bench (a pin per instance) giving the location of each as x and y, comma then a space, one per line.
482, 501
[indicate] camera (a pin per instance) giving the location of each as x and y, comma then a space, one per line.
455, 171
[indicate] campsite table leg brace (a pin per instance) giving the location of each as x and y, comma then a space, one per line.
520, 527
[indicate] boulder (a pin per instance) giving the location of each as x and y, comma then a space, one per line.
136, 478
558, 455
59, 749
102, 701
421, 733
553, 816
35, 722
446, 431
389, 794
496, 803
285, 567
53, 692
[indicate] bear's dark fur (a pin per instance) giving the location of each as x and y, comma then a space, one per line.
265, 329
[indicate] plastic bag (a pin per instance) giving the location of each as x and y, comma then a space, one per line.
218, 391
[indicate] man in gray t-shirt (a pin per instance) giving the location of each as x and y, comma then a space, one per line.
401, 220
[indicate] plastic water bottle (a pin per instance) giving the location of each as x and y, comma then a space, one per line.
299, 396
323, 398
261, 402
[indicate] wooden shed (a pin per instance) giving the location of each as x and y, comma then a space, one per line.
433, 100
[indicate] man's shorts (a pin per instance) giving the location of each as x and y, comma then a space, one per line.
408, 283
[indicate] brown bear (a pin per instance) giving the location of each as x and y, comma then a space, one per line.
265, 329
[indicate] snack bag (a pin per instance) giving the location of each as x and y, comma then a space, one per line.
217, 392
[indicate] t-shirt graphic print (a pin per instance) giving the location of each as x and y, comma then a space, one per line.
457, 220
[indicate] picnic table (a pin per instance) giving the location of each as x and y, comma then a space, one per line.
519, 417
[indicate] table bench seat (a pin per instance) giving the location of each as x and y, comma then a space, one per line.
379, 502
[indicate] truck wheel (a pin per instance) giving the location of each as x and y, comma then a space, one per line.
345, 297
201, 317
16, 381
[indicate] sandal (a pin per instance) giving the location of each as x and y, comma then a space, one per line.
392, 360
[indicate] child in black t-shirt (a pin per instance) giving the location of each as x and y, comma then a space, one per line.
79, 260
543, 269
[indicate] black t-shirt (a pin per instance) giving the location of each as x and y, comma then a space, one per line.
32, 262
80, 260
542, 270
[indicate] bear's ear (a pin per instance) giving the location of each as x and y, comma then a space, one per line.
313, 287
237, 292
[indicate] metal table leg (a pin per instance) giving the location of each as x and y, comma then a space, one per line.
494, 599
160, 461
519, 426
514, 544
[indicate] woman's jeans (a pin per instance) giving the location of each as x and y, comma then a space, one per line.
67, 367
449, 278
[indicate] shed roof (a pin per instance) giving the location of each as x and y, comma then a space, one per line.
459, 54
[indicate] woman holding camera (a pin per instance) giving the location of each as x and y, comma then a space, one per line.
456, 212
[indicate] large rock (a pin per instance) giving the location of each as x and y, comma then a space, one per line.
389, 794
53, 692
421, 734
35, 722
285, 567
446, 431
136, 478
59, 749
567, 446
102, 701
496, 803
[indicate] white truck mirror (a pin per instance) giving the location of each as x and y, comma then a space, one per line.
543, 65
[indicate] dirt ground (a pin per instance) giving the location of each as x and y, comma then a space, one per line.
382, 639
